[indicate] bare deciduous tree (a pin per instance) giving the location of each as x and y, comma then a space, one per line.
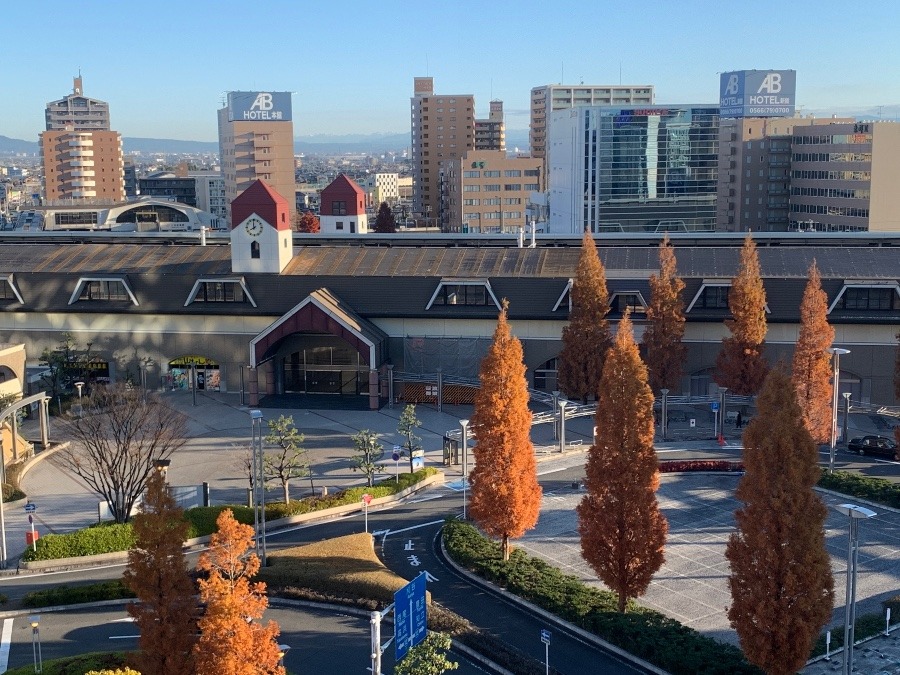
117, 441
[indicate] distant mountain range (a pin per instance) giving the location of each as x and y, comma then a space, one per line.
320, 144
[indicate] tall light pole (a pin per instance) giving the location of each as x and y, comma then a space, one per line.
259, 483
2, 520
464, 426
836, 353
664, 414
562, 424
36, 643
855, 513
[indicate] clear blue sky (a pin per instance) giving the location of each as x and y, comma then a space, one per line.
163, 65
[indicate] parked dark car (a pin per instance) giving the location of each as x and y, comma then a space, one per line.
873, 445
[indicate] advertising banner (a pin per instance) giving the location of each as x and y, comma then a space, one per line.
757, 93
256, 106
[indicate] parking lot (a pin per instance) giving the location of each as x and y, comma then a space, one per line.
692, 584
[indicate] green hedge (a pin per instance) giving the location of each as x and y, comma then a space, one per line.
110, 538
71, 595
874, 489
645, 633
107, 538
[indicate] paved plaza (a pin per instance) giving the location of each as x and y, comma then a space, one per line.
692, 584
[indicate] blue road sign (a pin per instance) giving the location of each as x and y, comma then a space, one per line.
545, 636
714, 406
30, 507
410, 616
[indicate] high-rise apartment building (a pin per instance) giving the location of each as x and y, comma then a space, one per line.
754, 171
490, 133
82, 158
844, 177
77, 112
443, 128
486, 191
649, 168
550, 97
256, 142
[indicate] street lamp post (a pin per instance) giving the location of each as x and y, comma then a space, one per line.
855, 513
79, 386
36, 643
562, 424
836, 353
259, 484
846, 435
556, 395
664, 414
464, 426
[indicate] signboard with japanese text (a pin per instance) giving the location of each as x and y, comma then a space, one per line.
410, 616
757, 93
259, 106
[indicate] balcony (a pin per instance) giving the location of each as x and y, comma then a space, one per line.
82, 162
84, 194
81, 153
84, 183
81, 174
81, 143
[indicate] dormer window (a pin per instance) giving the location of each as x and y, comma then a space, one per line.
468, 292
9, 292
713, 294
220, 290
867, 297
106, 289
628, 300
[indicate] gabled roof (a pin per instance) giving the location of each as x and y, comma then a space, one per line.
265, 202
343, 185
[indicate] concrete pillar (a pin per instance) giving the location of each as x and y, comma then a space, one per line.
44, 421
373, 389
253, 386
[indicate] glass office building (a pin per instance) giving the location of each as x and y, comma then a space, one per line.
633, 169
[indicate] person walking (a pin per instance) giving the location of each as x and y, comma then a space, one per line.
738, 421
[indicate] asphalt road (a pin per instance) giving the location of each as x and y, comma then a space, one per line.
320, 641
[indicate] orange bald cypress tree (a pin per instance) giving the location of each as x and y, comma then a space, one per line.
811, 369
505, 497
623, 532
232, 641
586, 339
665, 324
741, 365
782, 587
166, 611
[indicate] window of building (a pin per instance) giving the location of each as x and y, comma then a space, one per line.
534, 187
492, 174
512, 187
874, 297
9, 292
492, 187
471, 174
630, 300
107, 289
512, 173
220, 290
467, 292
254, 249
339, 208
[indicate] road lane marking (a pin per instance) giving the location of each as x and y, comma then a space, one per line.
5, 639
415, 527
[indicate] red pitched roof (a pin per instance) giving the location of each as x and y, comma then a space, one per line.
265, 202
343, 189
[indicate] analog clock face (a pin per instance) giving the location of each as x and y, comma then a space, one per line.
254, 227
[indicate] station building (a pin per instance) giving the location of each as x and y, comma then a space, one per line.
278, 313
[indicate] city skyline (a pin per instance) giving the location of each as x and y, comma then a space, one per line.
165, 73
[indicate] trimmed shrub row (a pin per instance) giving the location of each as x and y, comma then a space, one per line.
678, 465
874, 489
71, 595
110, 538
645, 633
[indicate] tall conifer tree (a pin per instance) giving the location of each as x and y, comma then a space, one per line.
665, 324
782, 587
623, 531
506, 496
232, 640
166, 611
586, 339
811, 370
741, 365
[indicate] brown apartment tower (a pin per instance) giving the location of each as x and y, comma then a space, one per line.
82, 158
256, 142
443, 128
